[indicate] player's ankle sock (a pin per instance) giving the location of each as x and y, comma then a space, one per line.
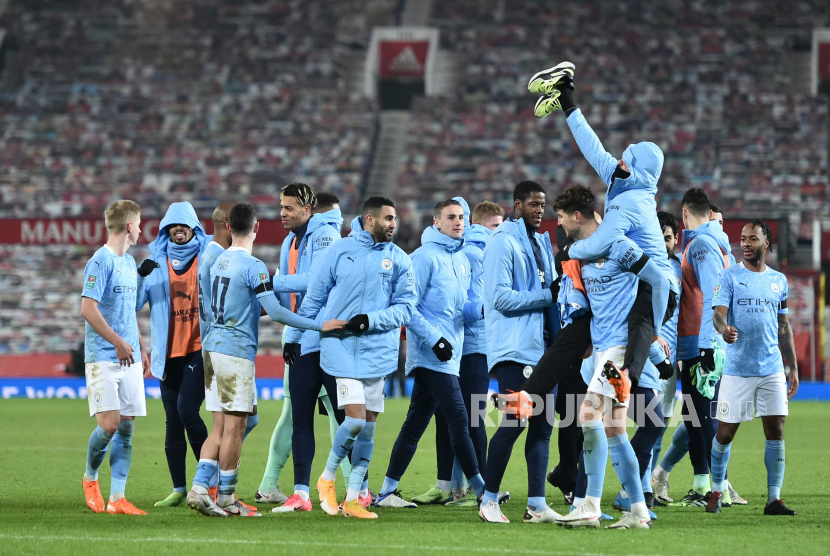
720, 458
227, 486
444, 486
205, 471
253, 420
343, 441
595, 454
364, 446
116, 496
639, 509
592, 503
661, 474
577, 502
180, 490
678, 449
477, 484
199, 489
99, 440
701, 483
214, 480
364, 492
489, 497
774, 460
301, 491
536, 503
389, 485
121, 455
625, 464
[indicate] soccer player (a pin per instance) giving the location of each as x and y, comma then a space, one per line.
473, 377
173, 294
368, 280
433, 356
717, 215
114, 378
704, 258
519, 323
240, 289
311, 232
611, 286
751, 312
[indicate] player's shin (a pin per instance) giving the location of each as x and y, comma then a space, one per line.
227, 486
364, 446
121, 456
624, 462
595, 453
774, 461
99, 441
343, 441
720, 459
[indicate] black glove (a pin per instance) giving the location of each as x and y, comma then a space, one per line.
665, 369
566, 99
290, 352
358, 324
442, 349
563, 253
707, 360
145, 268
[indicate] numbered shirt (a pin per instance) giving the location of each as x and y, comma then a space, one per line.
111, 281
237, 281
754, 301
206, 260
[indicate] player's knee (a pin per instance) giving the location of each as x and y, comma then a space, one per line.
354, 426
110, 427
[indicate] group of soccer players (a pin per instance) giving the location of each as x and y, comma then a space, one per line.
613, 307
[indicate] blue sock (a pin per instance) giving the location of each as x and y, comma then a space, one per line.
253, 420
720, 459
595, 454
536, 503
389, 485
625, 464
365, 485
121, 455
180, 490
364, 445
99, 441
227, 481
457, 482
678, 449
343, 441
304, 488
214, 481
205, 471
774, 460
489, 497
477, 483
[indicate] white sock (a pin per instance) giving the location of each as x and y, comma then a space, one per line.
302, 494
578, 502
199, 489
661, 474
223, 500
115, 497
364, 492
443, 485
351, 494
592, 503
639, 509
89, 479
328, 475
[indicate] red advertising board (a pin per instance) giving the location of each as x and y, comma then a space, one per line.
824, 61
403, 58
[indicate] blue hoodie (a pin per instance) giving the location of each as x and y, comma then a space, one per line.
358, 276
517, 306
705, 252
475, 239
322, 231
630, 207
468, 216
155, 288
442, 279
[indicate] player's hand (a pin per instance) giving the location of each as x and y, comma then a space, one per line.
730, 334
124, 352
290, 352
588, 352
442, 349
791, 391
145, 363
334, 324
563, 253
665, 369
663, 344
146, 267
358, 324
707, 360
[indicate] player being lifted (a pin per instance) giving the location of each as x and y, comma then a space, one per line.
240, 288
114, 380
751, 312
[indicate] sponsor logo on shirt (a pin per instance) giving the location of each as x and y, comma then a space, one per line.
124, 289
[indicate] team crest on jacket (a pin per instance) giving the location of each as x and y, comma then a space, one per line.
386, 264
527, 371
775, 287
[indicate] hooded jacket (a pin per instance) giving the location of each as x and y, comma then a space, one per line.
442, 280
323, 230
704, 257
155, 287
358, 276
516, 302
475, 239
630, 207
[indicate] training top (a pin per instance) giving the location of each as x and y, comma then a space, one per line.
206, 260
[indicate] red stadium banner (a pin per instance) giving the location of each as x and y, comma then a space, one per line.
404, 58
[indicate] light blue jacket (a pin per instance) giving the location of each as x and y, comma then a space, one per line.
442, 279
475, 238
630, 207
358, 276
571, 301
155, 288
322, 231
516, 303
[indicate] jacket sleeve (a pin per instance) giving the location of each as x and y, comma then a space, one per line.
322, 281
142, 291
708, 265
498, 280
593, 151
656, 354
298, 283
418, 325
659, 290
473, 305
278, 313
402, 303
614, 226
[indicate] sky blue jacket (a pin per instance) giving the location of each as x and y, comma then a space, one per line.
155, 288
475, 238
515, 301
322, 231
442, 279
630, 207
359, 276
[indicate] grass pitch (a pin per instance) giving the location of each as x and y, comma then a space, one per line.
42, 510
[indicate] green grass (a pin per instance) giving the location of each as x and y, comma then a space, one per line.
42, 510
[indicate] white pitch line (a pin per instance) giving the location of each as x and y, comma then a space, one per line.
511, 550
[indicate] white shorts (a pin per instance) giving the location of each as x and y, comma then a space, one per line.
111, 387
668, 400
361, 391
211, 389
741, 397
234, 379
600, 385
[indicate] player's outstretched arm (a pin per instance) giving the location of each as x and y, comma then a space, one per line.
92, 315
403, 299
498, 280
279, 313
787, 345
612, 228
601, 160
